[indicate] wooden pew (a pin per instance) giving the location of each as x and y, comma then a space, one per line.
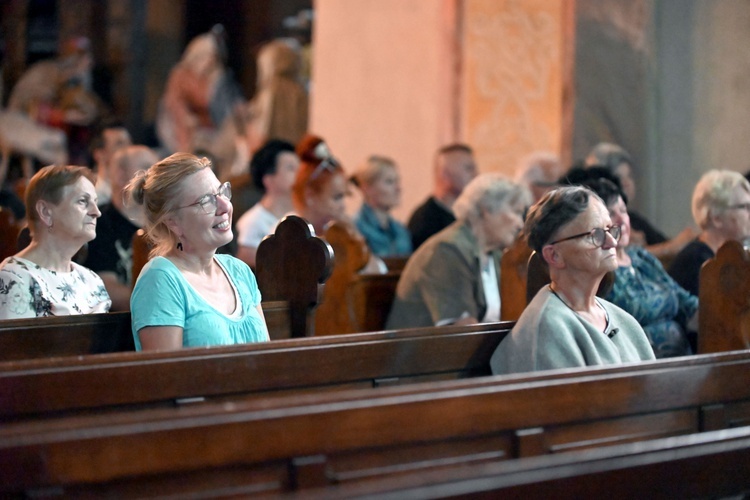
293, 265
287, 443
354, 301
9, 229
724, 300
83, 334
37, 388
513, 276
709, 465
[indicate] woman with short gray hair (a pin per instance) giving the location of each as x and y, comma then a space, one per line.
721, 208
454, 277
566, 325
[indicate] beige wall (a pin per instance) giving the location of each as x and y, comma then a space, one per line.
403, 77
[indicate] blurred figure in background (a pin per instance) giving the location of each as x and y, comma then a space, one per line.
380, 184
273, 169
721, 208
454, 277
110, 137
539, 172
454, 169
110, 254
42, 279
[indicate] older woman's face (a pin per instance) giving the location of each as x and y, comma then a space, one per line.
734, 222
501, 228
581, 255
198, 230
618, 212
385, 191
75, 216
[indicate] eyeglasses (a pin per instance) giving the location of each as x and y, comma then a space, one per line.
597, 235
209, 203
329, 163
739, 206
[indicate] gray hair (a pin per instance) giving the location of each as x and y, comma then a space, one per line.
541, 168
609, 155
488, 192
712, 193
553, 211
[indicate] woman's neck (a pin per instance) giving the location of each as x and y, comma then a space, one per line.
277, 205
623, 259
712, 239
381, 215
55, 257
580, 297
193, 263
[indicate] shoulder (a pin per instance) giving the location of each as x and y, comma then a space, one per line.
85, 272
232, 264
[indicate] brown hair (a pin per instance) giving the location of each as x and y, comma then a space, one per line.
48, 184
157, 189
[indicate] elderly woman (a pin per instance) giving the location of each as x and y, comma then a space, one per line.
566, 325
642, 287
42, 279
454, 277
721, 208
188, 295
381, 190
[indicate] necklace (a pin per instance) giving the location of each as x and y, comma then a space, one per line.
580, 314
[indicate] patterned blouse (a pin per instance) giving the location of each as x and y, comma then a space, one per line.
659, 304
28, 290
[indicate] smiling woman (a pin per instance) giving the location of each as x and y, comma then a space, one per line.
187, 295
42, 279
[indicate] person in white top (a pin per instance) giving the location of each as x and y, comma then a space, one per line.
273, 169
42, 279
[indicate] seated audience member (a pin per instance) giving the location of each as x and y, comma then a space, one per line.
643, 288
620, 164
379, 182
42, 279
566, 325
721, 208
454, 169
539, 172
319, 190
110, 137
188, 295
273, 169
454, 277
110, 254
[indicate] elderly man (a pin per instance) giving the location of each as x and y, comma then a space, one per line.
454, 169
110, 254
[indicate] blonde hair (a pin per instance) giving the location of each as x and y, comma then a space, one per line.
712, 193
372, 170
158, 189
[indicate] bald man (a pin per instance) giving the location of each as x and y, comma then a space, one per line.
454, 169
110, 254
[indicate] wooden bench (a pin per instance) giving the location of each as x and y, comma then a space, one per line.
709, 465
724, 300
292, 265
286, 443
83, 334
31, 389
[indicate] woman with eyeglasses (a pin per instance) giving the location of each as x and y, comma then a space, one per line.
188, 295
721, 208
665, 310
566, 325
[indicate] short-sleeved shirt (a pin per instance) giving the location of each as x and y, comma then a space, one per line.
163, 297
28, 290
254, 225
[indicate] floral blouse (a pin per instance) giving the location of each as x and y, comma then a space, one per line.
28, 290
660, 305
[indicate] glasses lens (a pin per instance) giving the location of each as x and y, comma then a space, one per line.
226, 191
597, 236
615, 231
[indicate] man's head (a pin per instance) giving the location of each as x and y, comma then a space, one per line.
110, 137
454, 169
125, 163
274, 167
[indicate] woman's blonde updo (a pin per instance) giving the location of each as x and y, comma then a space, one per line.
157, 190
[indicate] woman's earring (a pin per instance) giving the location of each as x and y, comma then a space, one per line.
179, 246
49, 228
